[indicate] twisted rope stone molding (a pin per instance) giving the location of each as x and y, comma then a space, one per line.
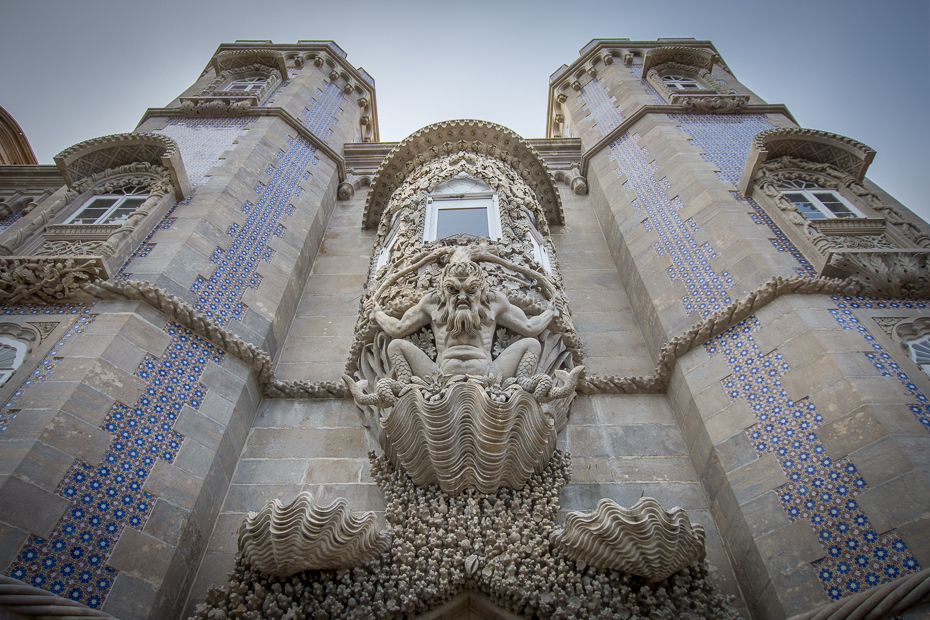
260, 361
884, 601
713, 325
18, 597
189, 317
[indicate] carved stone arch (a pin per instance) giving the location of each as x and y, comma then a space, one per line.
14, 147
215, 90
97, 155
465, 136
16, 343
811, 145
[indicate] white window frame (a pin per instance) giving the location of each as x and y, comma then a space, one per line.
460, 201
811, 195
122, 198
540, 253
256, 84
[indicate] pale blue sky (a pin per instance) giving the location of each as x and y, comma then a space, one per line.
77, 70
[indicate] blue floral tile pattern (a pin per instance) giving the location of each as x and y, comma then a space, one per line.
878, 357
819, 490
690, 261
50, 361
320, 114
600, 105
107, 496
9, 220
637, 70
202, 141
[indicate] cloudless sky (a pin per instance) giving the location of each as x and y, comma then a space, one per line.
73, 70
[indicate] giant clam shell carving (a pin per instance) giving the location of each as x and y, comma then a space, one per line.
282, 540
644, 540
466, 440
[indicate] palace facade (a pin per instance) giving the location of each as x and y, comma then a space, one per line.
677, 293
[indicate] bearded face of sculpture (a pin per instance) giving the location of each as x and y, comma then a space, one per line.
464, 304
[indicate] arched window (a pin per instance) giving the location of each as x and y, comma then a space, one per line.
15, 344
462, 205
816, 202
111, 208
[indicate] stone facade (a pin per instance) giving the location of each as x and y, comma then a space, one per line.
695, 339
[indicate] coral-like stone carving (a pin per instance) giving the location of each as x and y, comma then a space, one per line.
494, 543
464, 434
282, 540
644, 540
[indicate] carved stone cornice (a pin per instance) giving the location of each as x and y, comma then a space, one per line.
813, 145
441, 139
215, 107
238, 59
701, 58
97, 155
635, 115
255, 111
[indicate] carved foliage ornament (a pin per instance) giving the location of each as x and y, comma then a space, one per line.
248, 59
690, 56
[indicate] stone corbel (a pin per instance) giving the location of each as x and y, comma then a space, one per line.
608, 58
592, 71
349, 88
561, 97
576, 85
884, 273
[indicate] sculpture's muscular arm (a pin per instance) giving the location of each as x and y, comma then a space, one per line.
413, 319
512, 317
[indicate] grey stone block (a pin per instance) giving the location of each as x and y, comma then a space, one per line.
77, 438
916, 535
44, 466
849, 433
130, 598
333, 471
752, 480
29, 508
736, 452
173, 484
306, 443
880, 461
142, 556
633, 409
11, 541
790, 547
252, 497
648, 469
645, 440
195, 425
895, 502
765, 514
167, 522
799, 590
270, 471
194, 458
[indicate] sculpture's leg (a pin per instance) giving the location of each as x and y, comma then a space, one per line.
382, 398
407, 360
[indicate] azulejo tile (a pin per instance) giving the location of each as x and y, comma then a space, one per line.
819, 489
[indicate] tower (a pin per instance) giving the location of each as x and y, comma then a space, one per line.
695, 298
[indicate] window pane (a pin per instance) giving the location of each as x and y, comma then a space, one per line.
805, 206
833, 202
94, 209
456, 221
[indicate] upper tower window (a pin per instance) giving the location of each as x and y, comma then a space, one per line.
816, 202
246, 84
112, 208
680, 82
462, 205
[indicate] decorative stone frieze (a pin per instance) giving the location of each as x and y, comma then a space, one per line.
47, 279
467, 137
898, 273
281, 540
644, 540
691, 56
715, 104
215, 107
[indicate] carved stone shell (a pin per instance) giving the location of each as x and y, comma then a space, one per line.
282, 540
644, 540
466, 440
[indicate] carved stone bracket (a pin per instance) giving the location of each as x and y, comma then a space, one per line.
249, 58
51, 279
713, 104
896, 273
